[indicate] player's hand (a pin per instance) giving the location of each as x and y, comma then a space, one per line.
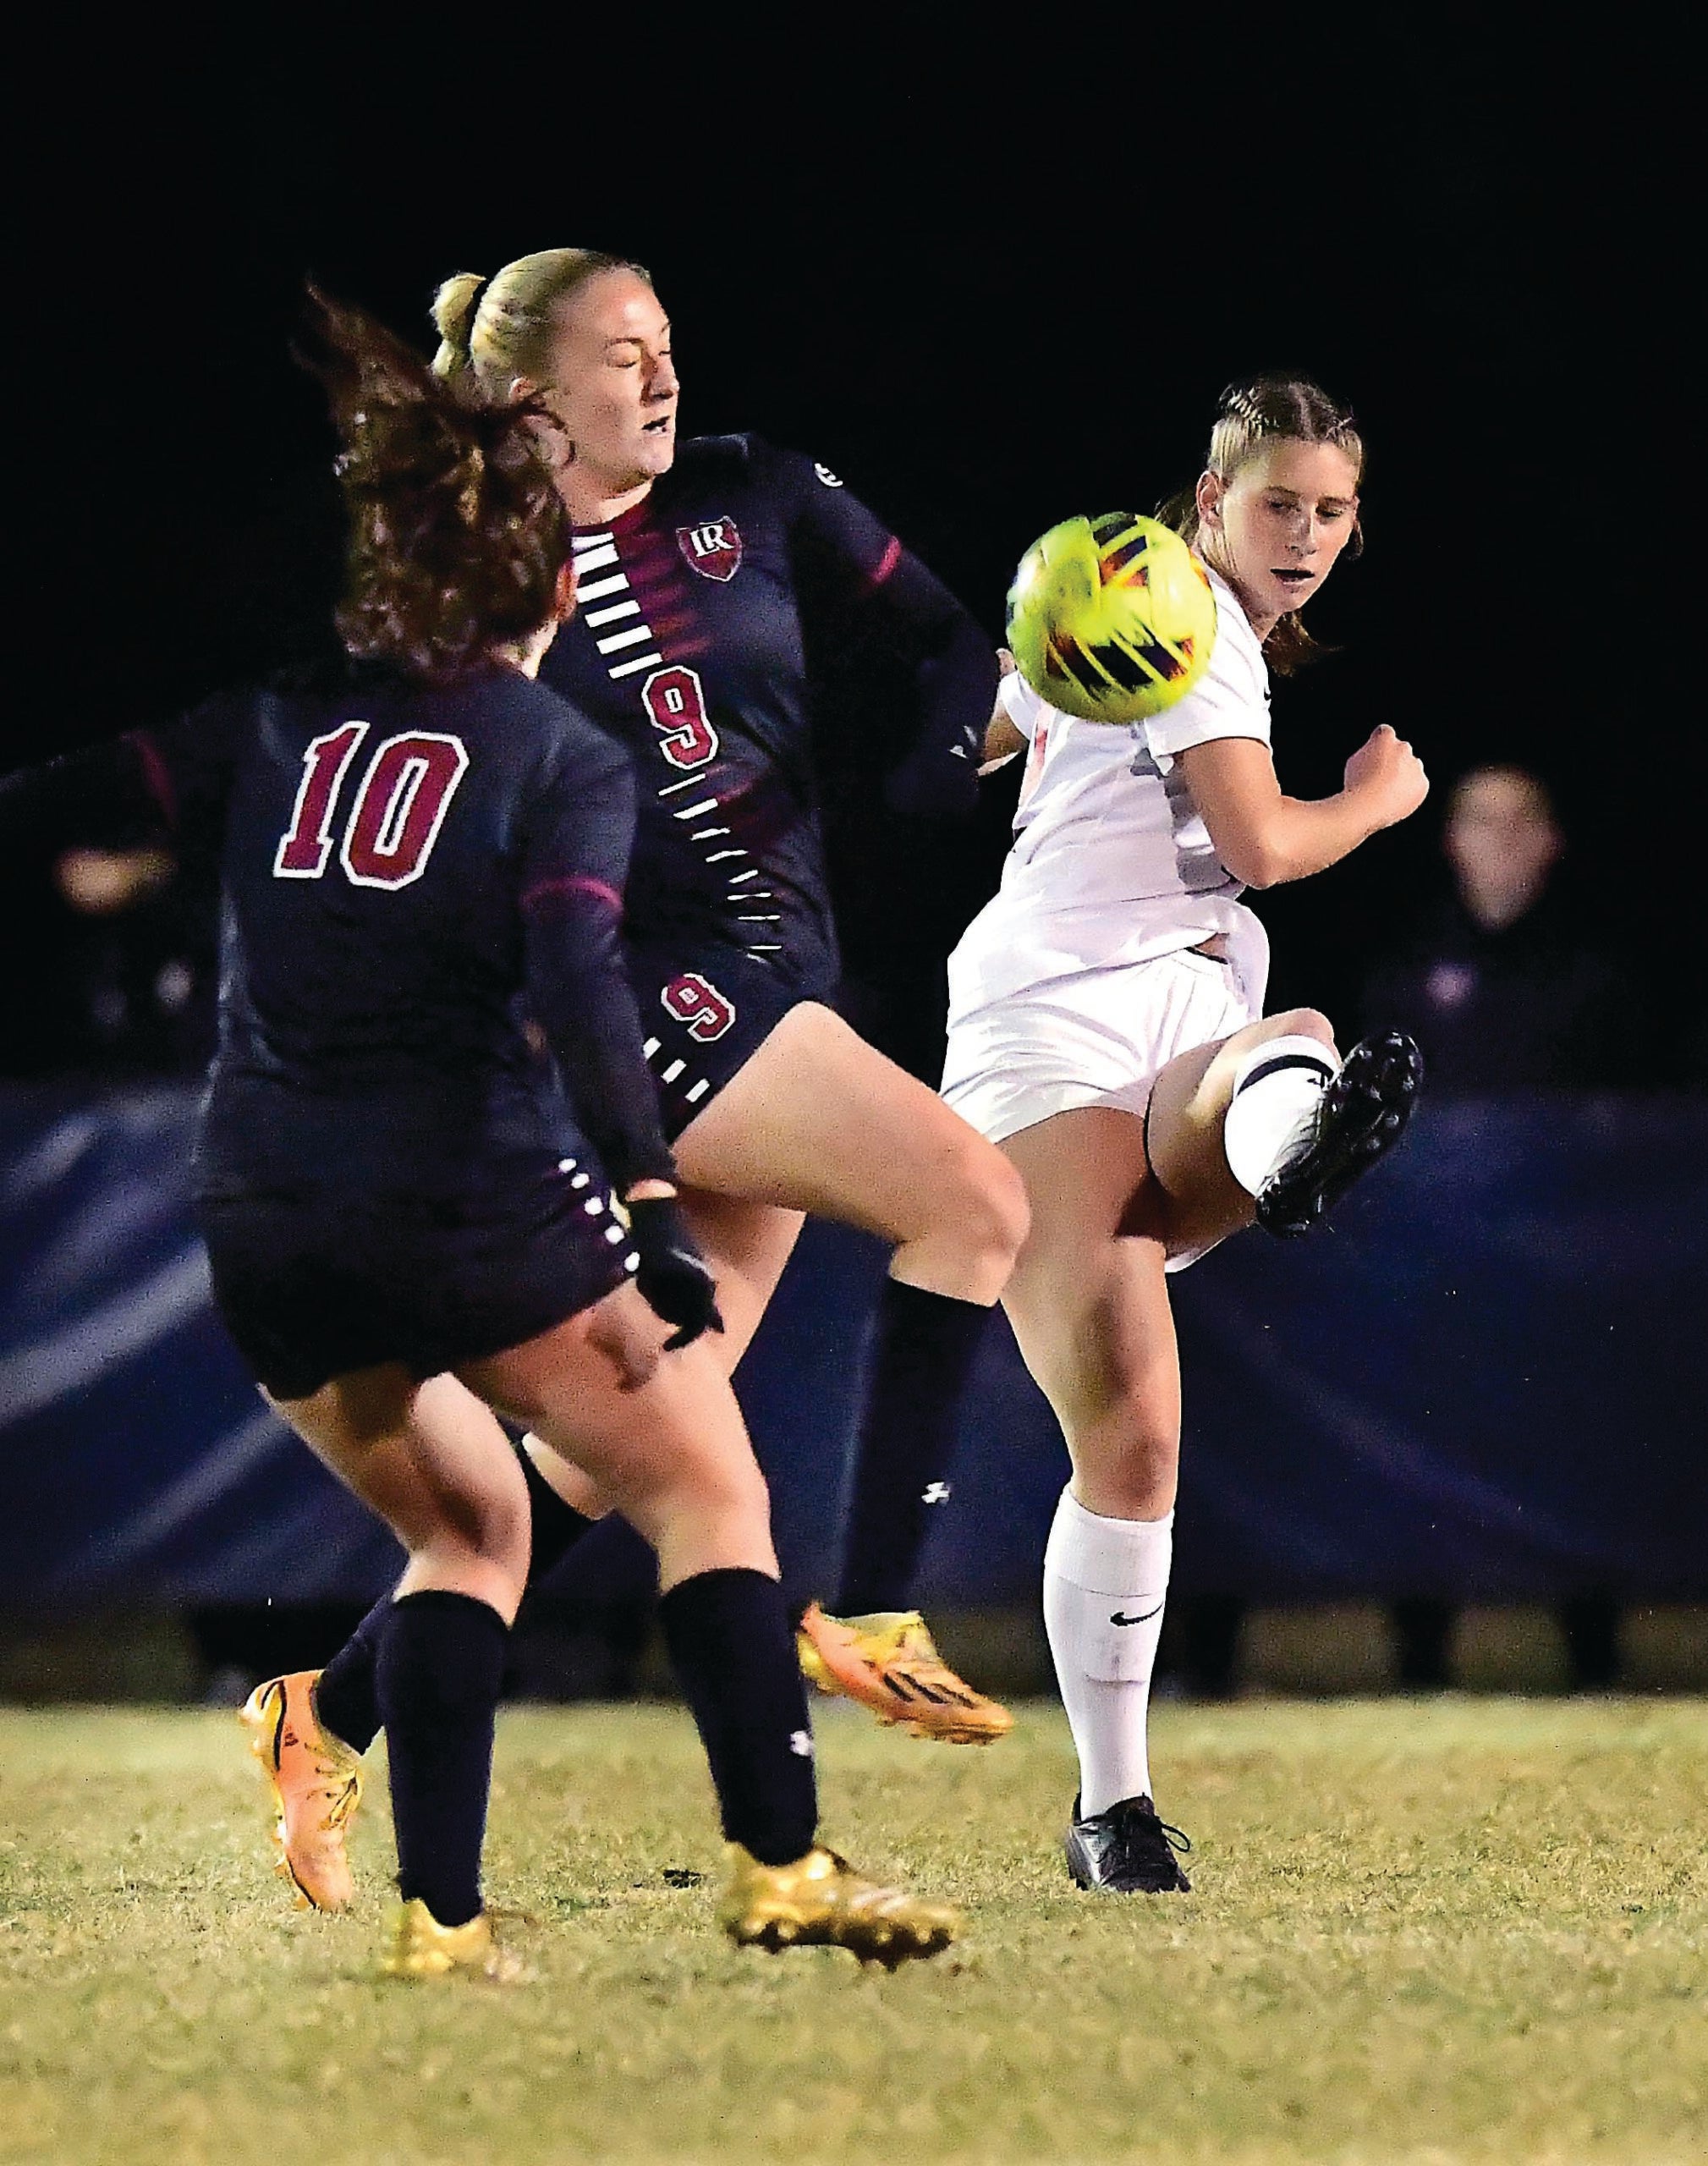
673, 1277
1388, 776
1006, 663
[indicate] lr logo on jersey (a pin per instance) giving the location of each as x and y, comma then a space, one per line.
713, 548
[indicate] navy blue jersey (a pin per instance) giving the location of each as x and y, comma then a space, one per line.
689, 646
413, 878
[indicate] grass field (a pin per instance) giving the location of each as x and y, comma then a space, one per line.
1421, 1932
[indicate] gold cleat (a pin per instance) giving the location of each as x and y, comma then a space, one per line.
820, 1901
317, 1782
419, 1947
887, 1661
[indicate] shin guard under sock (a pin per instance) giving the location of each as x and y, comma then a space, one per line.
1278, 1086
729, 1639
1106, 1583
922, 1354
345, 1700
439, 1670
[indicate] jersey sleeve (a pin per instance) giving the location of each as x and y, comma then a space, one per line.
574, 861
168, 783
954, 666
1023, 707
186, 768
1231, 701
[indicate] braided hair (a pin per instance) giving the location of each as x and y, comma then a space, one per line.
457, 536
1296, 410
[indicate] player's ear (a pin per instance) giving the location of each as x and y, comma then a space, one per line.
564, 601
1209, 495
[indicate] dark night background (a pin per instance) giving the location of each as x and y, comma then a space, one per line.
991, 283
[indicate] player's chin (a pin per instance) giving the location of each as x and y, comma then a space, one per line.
1293, 593
658, 450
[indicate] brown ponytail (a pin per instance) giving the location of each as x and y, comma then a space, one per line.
1298, 411
457, 533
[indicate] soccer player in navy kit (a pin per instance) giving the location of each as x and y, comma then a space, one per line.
422, 870
687, 647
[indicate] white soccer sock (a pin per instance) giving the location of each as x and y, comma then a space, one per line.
1276, 1089
1104, 1585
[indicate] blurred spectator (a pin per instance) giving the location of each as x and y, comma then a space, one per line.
111, 956
1500, 984
1504, 990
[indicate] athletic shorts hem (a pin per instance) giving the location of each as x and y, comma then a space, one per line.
705, 1009
1099, 1038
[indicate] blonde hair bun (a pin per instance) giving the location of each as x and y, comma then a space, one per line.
455, 306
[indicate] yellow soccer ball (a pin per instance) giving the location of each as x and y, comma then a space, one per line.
1111, 618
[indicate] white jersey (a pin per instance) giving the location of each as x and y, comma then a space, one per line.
1111, 863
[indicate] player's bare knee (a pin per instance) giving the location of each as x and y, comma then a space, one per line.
1301, 1022
983, 1208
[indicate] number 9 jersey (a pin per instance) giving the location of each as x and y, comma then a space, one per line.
690, 645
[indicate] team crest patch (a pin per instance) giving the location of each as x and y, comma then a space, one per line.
713, 548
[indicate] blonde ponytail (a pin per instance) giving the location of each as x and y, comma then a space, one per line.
493, 330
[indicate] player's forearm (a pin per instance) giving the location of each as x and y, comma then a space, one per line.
955, 684
1295, 837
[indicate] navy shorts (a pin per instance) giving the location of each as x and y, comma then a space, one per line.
705, 1009
316, 1280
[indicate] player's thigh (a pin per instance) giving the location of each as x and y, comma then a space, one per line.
657, 1433
747, 1246
819, 1121
1188, 1103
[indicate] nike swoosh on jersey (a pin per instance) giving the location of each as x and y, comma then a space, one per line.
1143, 1618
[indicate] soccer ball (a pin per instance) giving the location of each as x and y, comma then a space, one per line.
1111, 618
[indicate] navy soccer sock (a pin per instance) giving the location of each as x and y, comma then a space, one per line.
730, 1641
345, 1700
439, 1670
922, 1355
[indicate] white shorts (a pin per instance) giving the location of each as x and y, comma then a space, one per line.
1095, 1039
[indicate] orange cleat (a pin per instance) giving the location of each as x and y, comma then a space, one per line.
316, 1783
887, 1661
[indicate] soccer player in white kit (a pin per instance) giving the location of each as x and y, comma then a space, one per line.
1104, 1030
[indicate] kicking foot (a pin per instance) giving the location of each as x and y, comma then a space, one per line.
888, 1663
317, 1782
417, 1946
1126, 1851
820, 1901
1361, 1117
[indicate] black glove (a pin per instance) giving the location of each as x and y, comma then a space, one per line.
673, 1275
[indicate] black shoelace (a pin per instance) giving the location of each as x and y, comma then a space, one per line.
1140, 1819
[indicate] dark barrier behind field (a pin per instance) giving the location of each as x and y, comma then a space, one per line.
1486, 1383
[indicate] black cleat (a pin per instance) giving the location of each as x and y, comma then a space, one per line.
1126, 1851
1362, 1116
